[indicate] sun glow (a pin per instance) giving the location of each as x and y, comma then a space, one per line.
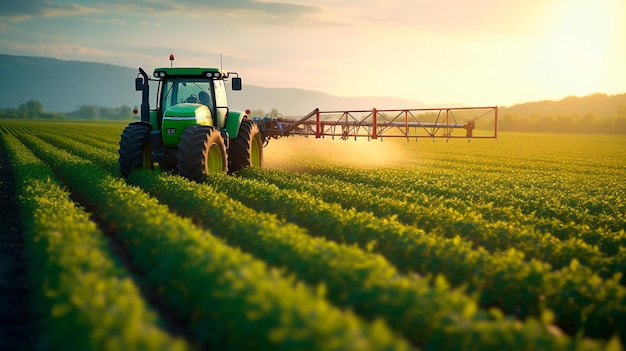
581, 36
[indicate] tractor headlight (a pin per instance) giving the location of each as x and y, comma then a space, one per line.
216, 75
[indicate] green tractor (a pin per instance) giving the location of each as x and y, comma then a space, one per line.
191, 128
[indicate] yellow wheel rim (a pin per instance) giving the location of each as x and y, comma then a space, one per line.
215, 162
255, 154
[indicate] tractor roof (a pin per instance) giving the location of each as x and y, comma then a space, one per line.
198, 72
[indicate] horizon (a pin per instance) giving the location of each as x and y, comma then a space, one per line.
348, 97
486, 53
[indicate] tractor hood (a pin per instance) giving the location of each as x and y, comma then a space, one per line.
179, 117
198, 112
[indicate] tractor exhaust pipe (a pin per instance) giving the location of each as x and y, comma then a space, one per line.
142, 84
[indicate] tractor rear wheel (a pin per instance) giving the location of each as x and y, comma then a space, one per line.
201, 150
135, 151
246, 150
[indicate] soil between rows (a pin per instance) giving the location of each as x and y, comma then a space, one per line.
17, 331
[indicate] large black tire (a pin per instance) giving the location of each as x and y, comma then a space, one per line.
201, 150
135, 151
246, 150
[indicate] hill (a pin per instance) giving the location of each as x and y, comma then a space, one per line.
598, 104
64, 86
596, 113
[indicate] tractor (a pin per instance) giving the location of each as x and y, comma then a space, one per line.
191, 128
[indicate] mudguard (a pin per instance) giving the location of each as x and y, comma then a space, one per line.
233, 122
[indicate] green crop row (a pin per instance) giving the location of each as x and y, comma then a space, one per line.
425, 312
96, 141
227, 298
534, 227
106, 134
175, 195
11, 127
84, 148
565, 207
580, 299
443, 219
435, 318
85, 298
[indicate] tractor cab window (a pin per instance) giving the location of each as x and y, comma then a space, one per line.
187, 90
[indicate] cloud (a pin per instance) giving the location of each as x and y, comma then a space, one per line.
16, 11
271, 8
250, 10
254, 10
63, 50
454, 17
117, 21
4, 27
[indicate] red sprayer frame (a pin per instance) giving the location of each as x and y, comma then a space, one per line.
395, 123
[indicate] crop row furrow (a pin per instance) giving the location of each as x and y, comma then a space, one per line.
15, 288
105, 159
107, 134
102, 136
85, 297
432, 317
87, 139
529, 189
230, 300
510, 200
17, 127
502, 279
448, 222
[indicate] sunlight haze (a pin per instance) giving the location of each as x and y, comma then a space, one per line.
483, 52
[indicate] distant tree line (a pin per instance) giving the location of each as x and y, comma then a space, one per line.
96, 112
33, 109
601, 104
596, 113
609, 116
563, 123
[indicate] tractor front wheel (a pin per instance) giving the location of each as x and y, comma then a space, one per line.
201, 150
246, 150
135, 151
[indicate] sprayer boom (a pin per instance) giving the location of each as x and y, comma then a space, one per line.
376, 124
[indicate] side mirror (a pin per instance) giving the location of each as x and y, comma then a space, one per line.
138, 84
236, 83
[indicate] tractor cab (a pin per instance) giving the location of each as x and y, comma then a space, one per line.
191, 128
189, 96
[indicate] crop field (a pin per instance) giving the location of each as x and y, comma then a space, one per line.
510, 244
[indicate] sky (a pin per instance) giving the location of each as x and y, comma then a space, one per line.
479, 52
